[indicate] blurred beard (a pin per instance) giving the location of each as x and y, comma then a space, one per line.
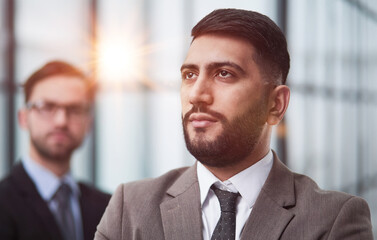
236, 142
57, 152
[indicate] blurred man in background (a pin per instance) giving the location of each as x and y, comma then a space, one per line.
232, 93
40, 199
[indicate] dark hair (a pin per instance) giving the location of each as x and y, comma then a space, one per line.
54, 68
270, 44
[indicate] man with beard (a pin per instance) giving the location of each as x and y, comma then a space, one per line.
40, 199
233, 92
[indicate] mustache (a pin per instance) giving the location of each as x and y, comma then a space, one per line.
203, 109
60, 131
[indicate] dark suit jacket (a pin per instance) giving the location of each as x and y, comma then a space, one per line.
289, 206
25, 215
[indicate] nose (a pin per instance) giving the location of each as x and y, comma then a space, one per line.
201, 92
61, 117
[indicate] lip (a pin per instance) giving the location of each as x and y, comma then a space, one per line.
201, 117
59, 135
201, 120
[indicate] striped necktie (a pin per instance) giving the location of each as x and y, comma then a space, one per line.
64, 215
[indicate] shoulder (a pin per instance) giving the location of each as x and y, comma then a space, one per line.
308, 190
152, 189
6, 188
342, 214
148, 192
318, 213
297, 188
5, 183
162, 182
8, 185
136, 206
14, 212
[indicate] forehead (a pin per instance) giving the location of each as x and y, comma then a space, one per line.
60, 89
220, 48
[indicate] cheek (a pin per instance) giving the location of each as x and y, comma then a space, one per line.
231, 102
79, 130
237, 106
38, 125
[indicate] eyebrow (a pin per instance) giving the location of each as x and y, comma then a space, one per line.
189, 66
215, 65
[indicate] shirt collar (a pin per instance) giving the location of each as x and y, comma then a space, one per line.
45, 181
248, 182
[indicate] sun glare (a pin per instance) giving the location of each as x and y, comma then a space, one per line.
120, 57
119, 61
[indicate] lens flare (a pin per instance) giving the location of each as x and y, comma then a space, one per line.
119, 61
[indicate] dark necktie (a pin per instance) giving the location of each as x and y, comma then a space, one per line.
226, 226
64, 214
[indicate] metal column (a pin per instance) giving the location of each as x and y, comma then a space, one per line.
10, 81
282, 8
93, 33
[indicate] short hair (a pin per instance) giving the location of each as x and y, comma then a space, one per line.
54, 68
265, 36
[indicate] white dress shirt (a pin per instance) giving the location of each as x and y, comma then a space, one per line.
48, 183
248, 183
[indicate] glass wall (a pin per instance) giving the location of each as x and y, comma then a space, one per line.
45, 31
138, 117
332, 116
135, 50
3, 110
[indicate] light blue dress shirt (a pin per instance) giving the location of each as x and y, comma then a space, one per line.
48, 183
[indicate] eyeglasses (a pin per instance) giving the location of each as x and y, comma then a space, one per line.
47, 110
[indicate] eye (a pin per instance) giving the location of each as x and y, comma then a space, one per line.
75, 109
47, 107
188, 75
78, 109
224, 74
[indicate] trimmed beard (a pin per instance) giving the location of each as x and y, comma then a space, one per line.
235, 143
60, 153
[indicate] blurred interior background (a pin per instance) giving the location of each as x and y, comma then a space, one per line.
135, 49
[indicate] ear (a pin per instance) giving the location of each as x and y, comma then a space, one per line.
278, 104
22, 118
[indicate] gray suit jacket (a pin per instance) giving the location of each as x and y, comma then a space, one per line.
289, 206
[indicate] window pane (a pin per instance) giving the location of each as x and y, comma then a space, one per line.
53, 30
332, 114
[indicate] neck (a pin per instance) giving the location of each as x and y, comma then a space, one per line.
260, 150
224, 173
58, 167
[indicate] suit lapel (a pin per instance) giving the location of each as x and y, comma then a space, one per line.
269, 216
267, 220
86, 213
91, 211
181, 212
37, 205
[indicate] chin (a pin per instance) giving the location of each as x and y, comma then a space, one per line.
201, 140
